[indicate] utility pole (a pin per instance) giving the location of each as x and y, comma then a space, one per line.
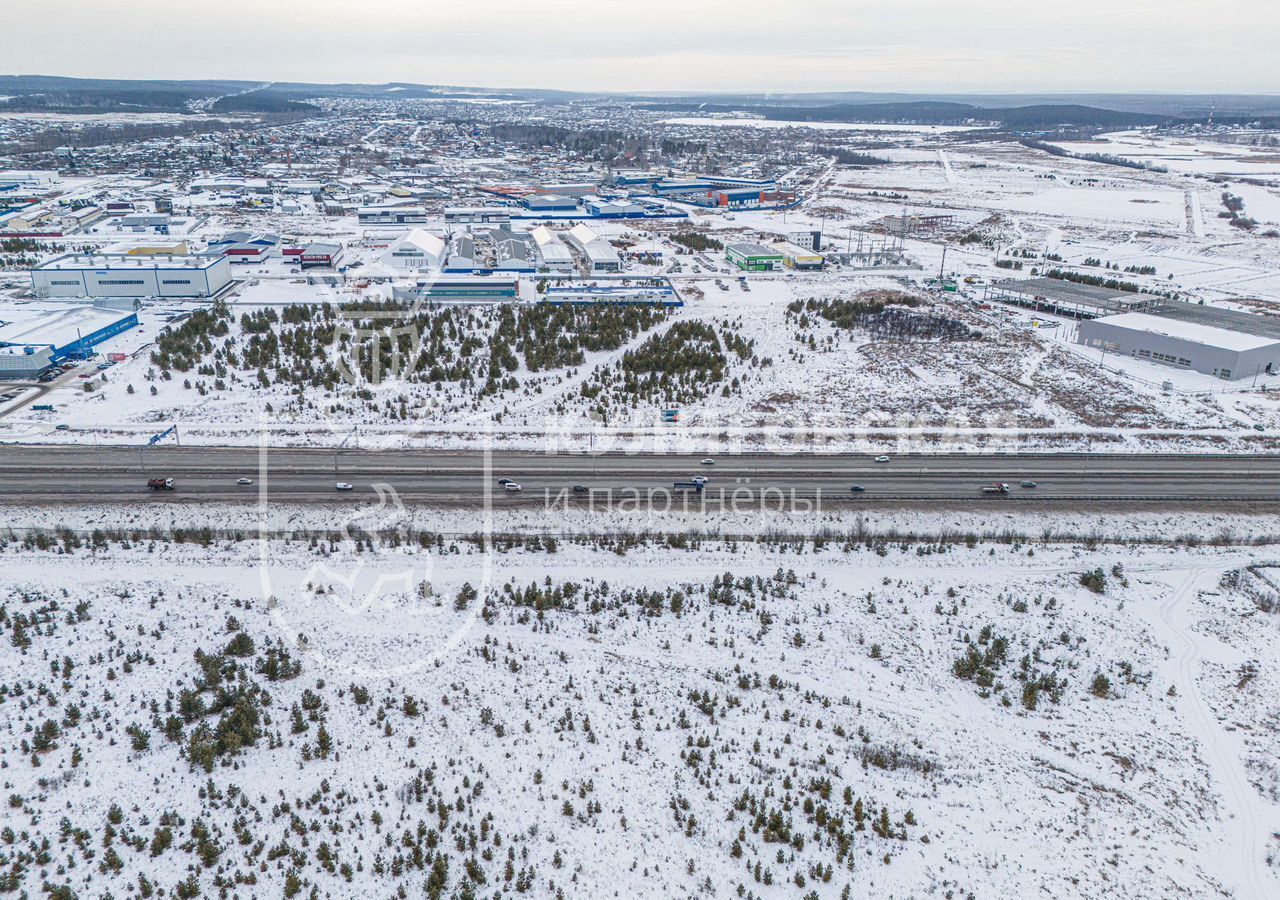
942, 265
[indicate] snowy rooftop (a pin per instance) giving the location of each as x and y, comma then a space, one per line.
1189, 331
60, 328
76, 262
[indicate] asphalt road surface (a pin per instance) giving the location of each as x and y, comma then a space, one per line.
118, 474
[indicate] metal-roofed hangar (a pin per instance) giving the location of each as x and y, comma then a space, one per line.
1066, 298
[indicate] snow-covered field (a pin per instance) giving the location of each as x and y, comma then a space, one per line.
640, 717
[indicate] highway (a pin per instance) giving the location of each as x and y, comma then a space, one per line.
30, 474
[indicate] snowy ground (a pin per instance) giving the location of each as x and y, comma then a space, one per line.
628, 720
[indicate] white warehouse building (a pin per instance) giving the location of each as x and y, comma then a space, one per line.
415, 251
601, 257
1223, 353
132, 276
555, 256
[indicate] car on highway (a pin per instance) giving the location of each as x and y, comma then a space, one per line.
699, 479
708, 462
579, 488
882, 459
504, 481
244, 481
512, 486
344, 486
858, 489
1029, 484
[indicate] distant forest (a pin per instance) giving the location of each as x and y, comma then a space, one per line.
1040, 117
604, 144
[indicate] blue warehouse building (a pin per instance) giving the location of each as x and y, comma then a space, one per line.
70, 334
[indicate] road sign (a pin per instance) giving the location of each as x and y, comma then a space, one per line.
157, 438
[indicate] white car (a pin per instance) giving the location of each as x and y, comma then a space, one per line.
708, 462
699, 479
344, 486
882, 459
244, 481
512, 486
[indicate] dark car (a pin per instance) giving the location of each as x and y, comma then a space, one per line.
858, 489
579, 488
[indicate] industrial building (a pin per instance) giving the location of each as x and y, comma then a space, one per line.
735, 198
601, 257
513, 252
1066, 298
614, 208
660, 294
1222, 353
149, 248
464, 256
550, 203
74, 275
415, 251
463, 288
157, 223
808, 239
554, 255
478, 215
800, 258
245, 248
754, 257
320, 255
392, 215
23, 364
67, 334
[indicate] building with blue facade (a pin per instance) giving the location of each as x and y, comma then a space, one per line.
68, 334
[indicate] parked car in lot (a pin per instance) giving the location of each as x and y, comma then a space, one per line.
344, 486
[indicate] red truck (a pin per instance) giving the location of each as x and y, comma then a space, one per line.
160, 484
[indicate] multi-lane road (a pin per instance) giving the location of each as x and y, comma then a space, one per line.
117, 474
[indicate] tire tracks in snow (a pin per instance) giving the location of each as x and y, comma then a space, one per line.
1243, 805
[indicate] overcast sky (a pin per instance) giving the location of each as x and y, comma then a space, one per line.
663, 45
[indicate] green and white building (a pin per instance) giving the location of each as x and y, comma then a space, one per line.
754, 257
